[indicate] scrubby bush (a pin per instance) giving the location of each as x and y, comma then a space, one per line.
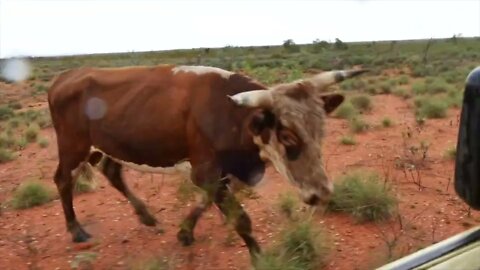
32, 193
361, 102
358, 125
363, 195
348, 140
346, 110
431, 108
303, 245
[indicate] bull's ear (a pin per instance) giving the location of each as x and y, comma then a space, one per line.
261, 120
332, 101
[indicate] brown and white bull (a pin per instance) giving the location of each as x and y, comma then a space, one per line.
223, 123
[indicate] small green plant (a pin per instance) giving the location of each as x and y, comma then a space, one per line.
31, 133
387, 122
432, 108
5, 112
43, 142
83, 260
15, 105
6, 140
346, 110
6, 155
21, 142
403, 80
358, 125
302, 245
287, 204
362, 102
385, 88
348, 140
450, 153
32, 193
84, 180
364, 196
152, 263
14, 122
401, 92
437, 85
419, 88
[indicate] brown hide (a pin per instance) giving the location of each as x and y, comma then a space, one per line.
155, 117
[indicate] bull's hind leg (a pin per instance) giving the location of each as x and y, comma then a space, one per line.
113, 171
64, 181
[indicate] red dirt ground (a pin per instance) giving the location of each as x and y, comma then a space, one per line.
37, 239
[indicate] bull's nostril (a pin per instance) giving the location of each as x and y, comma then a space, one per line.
313, 200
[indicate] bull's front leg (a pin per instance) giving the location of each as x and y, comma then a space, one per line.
235, 213
206, 177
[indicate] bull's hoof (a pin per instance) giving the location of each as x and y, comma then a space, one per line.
185, 238
148, 220
80, 236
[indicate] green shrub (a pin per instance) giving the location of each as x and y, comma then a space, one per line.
387, 122
364, 196
21, 142
403, 80
437, 86
15, 105
6, 140
432, 108
361, 102
348, 140
303, 245
385, 88
152, 264
84, 181
6, 155
30, 194
419, 88
287, 204
358, 125
450, 153
6, 112
43, 142
401, 92
14, 122
31, 133
346, 110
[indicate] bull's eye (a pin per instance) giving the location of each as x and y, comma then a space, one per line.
291, 142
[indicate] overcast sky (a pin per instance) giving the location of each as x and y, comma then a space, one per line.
41, 28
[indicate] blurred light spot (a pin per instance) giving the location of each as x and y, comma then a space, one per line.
96, 108
15, 69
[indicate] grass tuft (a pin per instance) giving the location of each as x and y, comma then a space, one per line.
303, 245
364, 196
287, 204
346, 110
358, 125
6, 155
431, 107
31, 133
450, 153
387, 122
32, 193
348, 140
362, 102
43, 142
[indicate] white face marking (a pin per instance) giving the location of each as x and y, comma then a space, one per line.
269, 152
182, 167
199, 70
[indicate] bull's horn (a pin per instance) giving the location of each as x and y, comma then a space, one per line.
327, 78
254, 98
